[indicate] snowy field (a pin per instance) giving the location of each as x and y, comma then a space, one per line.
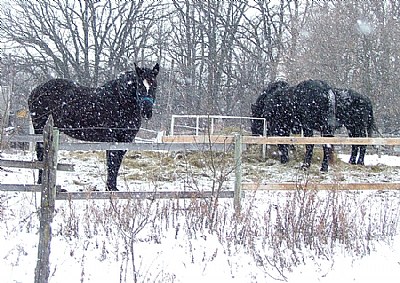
298, 236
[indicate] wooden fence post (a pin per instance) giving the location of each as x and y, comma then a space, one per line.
238, 173
48, 195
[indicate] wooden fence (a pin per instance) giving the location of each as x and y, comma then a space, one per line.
50, 192
187, 139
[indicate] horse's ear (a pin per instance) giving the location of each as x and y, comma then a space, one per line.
139, 70
156, 69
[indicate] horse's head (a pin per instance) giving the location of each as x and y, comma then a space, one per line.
265, 105
146, 85
257, 125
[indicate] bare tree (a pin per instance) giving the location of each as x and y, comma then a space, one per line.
83, 40
216, 55
353, 44
203, 48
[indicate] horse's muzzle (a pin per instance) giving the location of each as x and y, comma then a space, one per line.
146, 109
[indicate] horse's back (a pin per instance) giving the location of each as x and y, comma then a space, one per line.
53, 87
50, 94
354, 109
315, 106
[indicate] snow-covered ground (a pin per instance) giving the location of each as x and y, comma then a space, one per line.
195, 241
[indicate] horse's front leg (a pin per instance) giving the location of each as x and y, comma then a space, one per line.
308, 156
114, 160
353, 155
284, 153
328, 151
281, 131
39, 155
309, 149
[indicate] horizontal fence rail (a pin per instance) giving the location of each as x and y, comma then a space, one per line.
320, 186
140, 195
179, 142
219, 139
20, 188
33, 165
23, 138
138, 146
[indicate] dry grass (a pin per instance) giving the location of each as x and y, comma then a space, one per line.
278, 229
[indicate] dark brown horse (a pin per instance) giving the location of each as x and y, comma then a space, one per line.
110, 113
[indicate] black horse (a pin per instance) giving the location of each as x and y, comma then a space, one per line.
263, 105
354, 111
110, 113
315, 109
308, 106
275, 104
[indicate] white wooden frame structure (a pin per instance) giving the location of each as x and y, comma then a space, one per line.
211, 119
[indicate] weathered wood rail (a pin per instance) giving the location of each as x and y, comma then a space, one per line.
183, 139
320, 186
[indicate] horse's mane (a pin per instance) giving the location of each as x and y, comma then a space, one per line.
312, 85
269, 90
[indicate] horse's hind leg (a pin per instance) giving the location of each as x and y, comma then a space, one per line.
363, 149
354, 148
328, 151
114, 160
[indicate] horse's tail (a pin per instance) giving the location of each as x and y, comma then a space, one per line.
371, 126
331, 111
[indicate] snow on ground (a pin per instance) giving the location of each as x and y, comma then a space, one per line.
95, 241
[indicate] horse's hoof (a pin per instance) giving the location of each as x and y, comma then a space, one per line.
112, 190
305, 166
324, 169
284, 160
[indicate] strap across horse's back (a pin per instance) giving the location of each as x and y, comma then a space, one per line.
332, 103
